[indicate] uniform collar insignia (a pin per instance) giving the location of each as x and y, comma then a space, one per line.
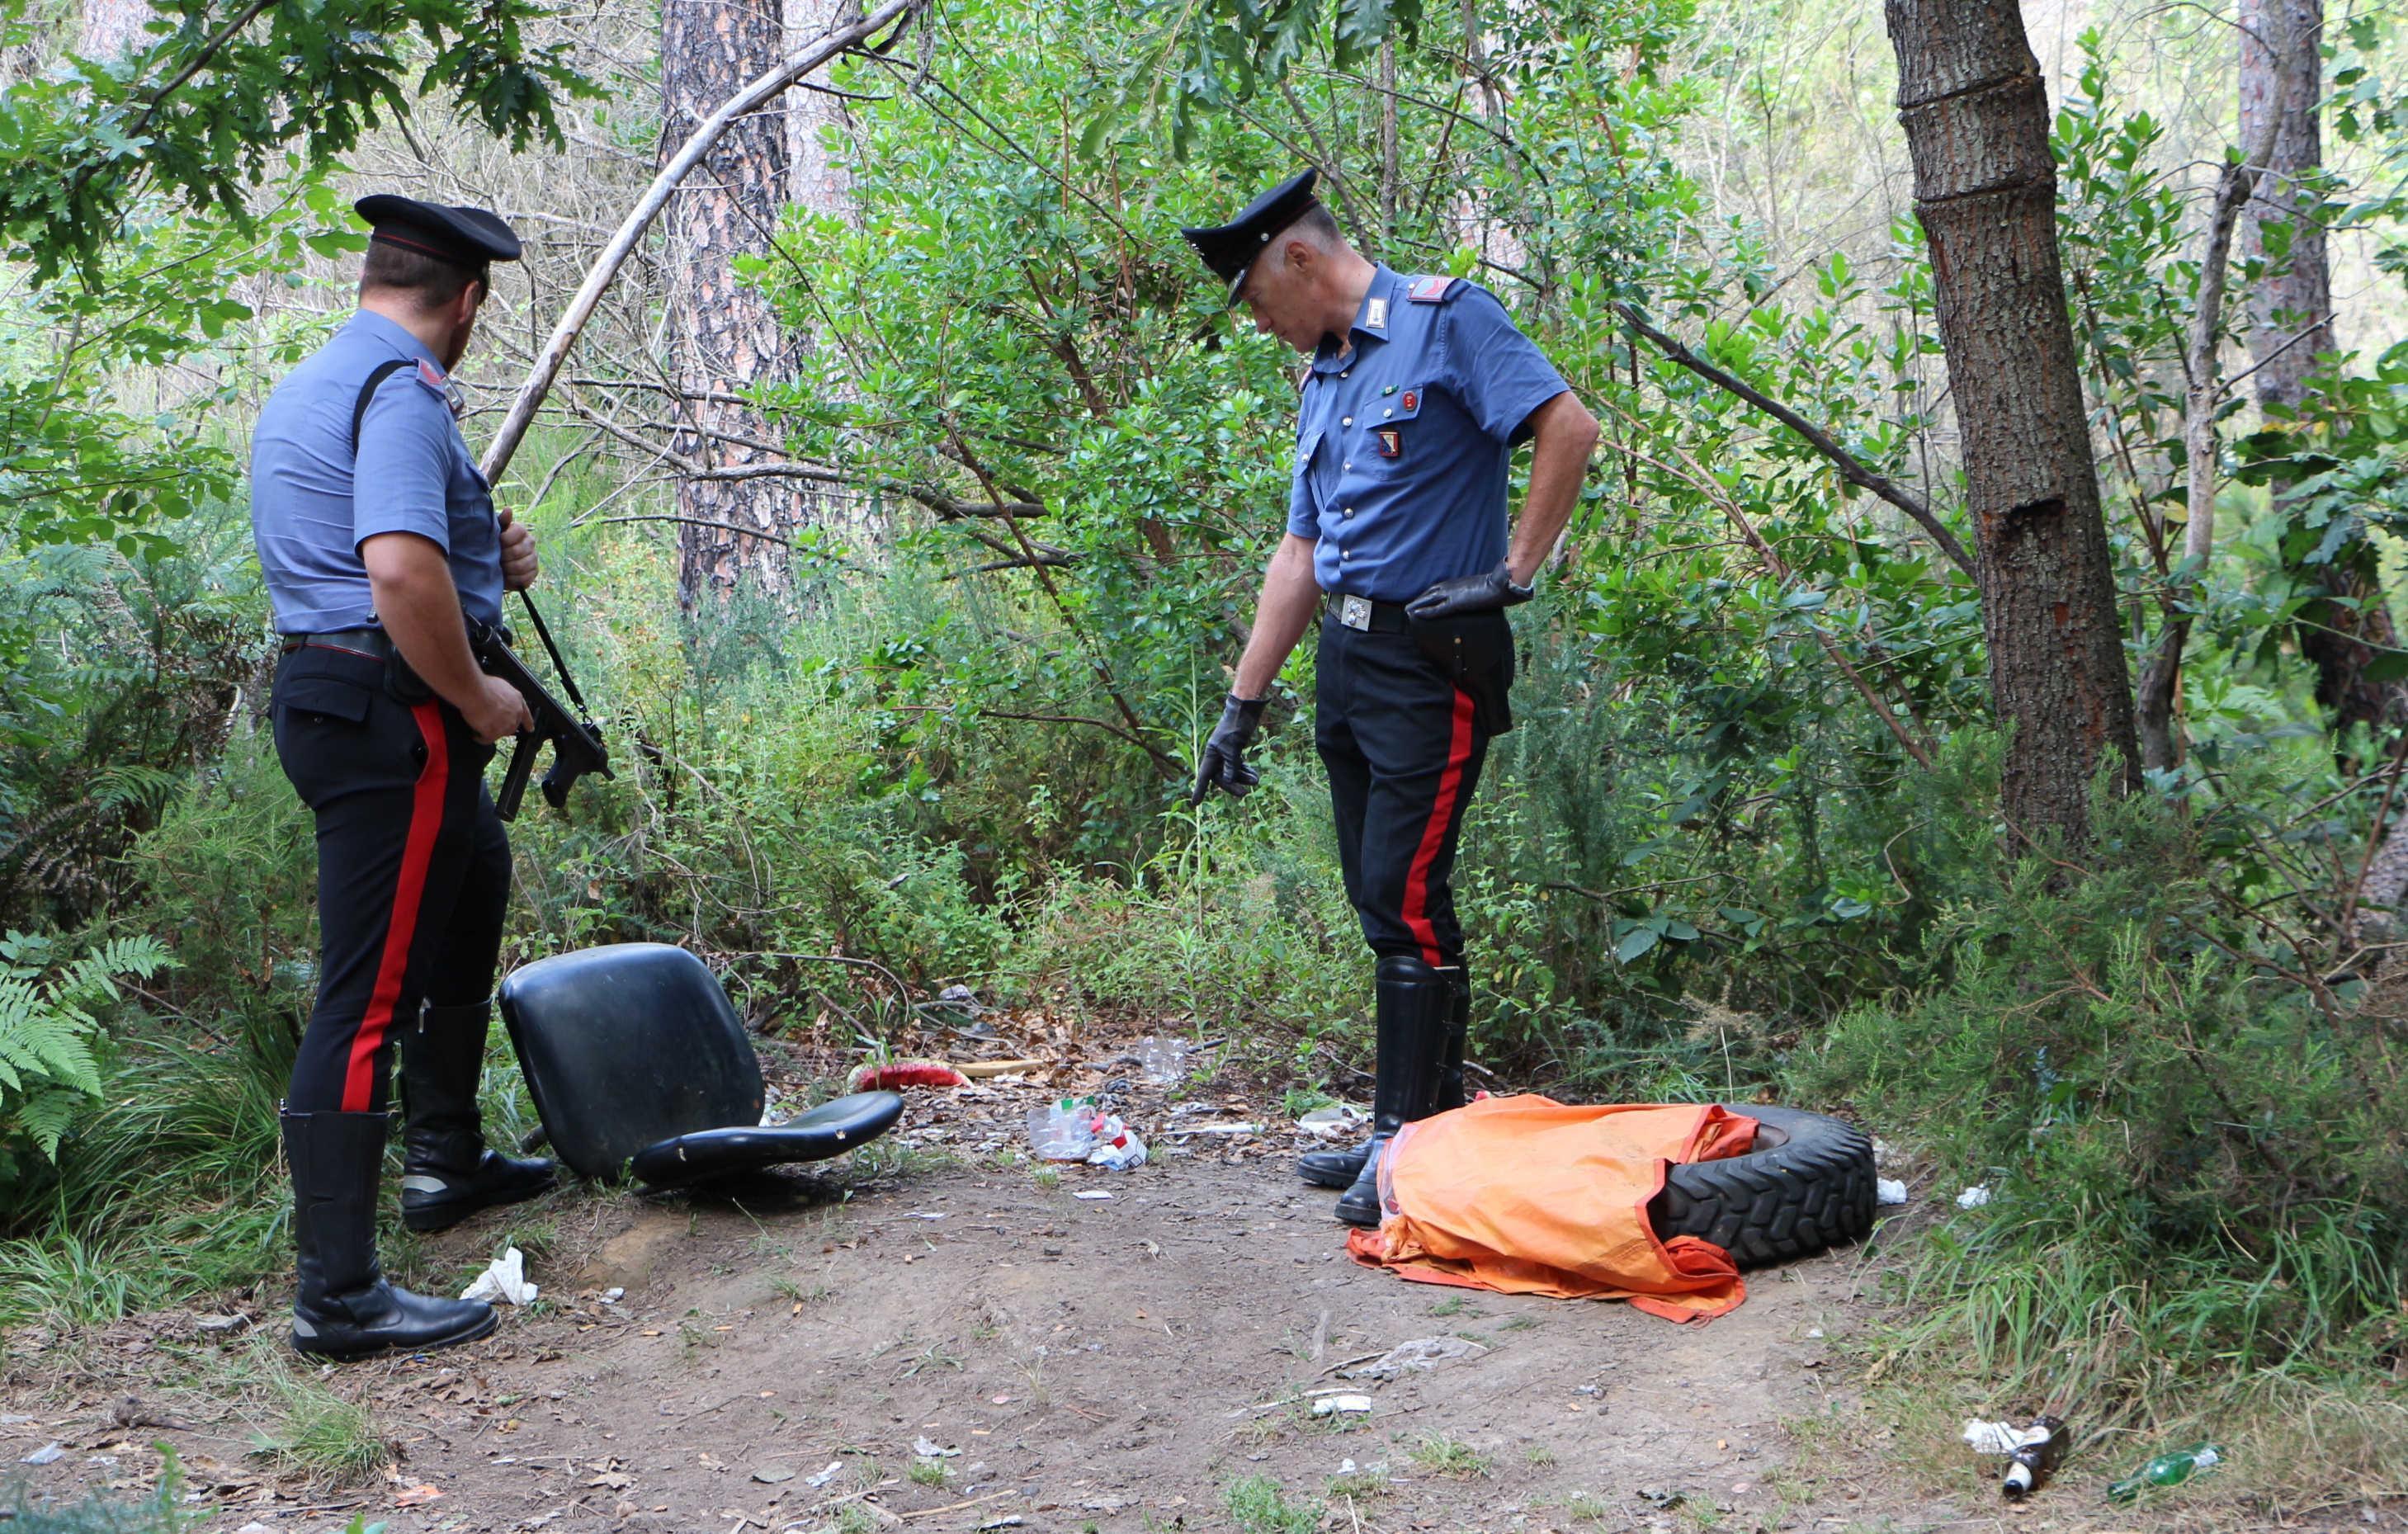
1375, 313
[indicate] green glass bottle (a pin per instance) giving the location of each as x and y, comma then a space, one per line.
2171, 1468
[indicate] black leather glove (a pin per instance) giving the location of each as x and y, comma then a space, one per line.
1224, 753
1469, 594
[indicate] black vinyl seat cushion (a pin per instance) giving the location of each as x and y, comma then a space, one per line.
632, 1054
832, 1128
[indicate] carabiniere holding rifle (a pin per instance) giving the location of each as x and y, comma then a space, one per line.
386, 562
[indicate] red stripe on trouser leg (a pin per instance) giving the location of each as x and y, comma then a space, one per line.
1459, 751
418, 851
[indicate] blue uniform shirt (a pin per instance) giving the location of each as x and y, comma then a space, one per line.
311, 505
1402, 444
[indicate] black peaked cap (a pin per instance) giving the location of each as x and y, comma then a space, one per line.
1230, 249
464, 237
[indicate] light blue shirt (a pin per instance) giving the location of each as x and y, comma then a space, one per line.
312, 506
1403, 444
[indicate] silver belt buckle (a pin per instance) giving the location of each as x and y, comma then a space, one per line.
1356, 612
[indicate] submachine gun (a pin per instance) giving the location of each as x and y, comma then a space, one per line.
576, 746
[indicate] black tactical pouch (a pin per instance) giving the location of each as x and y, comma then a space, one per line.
1476, 653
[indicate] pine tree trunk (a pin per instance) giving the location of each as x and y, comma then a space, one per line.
1975, 111
723, 337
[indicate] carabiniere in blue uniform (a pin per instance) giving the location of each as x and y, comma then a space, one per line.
1405, 434
360, 442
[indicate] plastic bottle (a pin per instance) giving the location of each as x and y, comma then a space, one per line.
2034, 1459
2171, 1468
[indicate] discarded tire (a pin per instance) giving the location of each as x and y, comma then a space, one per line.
1808, 1184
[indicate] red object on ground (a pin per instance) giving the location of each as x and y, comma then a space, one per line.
877, 1078
1528, 1196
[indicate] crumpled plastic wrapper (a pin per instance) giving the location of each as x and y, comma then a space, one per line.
503, 1282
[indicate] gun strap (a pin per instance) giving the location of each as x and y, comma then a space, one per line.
377, 374
559, 667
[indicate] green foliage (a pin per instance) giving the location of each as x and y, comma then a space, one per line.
48, 1027
201, 110
2197, 1166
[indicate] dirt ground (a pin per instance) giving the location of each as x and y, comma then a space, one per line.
948, 1339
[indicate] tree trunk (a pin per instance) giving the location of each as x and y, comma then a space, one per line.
1976, 117
723, 337
112, 28
2290, 331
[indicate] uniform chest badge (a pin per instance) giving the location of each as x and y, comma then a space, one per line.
1392, 442
1412, 398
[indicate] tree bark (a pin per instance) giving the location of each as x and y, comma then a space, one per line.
1975, 110
2290, 331
723, 336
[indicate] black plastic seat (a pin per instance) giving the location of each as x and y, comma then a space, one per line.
634, 1057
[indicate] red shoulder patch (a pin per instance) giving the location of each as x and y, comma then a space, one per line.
1429, 290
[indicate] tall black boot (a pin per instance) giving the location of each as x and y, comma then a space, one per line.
344, 1307
447, 1172
1338, 1169
1415, 1005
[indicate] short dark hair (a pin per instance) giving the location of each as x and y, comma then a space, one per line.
431, 281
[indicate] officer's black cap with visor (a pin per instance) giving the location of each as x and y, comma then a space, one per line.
467, 237
1231, 248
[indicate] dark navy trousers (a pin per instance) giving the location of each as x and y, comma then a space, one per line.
1403, 717
414, 867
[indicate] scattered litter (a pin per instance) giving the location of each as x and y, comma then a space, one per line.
2035, 1459
1162, 1061
503, 1279
15, 1419
825, 1476
1346, 1466
49, 1454
873, 1077
232, 1321
979, 1071
1974, 1196
1117, 1147
1063, 1130
1883, 1152
254, 1526
1816, 1332
1330, 1406
1888, 1190
418, 1496
928, 1448
613, 1295
922, 1214
1335, 1121
1662, 1500
1091, 1193
1009, 1520
2171, 1468
1421, 1353
1992, 1438
962, 997
773, 1475
1217, 1129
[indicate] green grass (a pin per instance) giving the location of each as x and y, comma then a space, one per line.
930, 1473
321, 1435
1442, 1456
1258, 1505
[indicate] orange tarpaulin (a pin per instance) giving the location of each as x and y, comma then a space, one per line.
1526, 1196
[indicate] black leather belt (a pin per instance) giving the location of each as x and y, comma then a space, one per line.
1362, 613
370, 642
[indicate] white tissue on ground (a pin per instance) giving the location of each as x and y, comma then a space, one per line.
503, 1279
1974, 1197
1888, 1190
